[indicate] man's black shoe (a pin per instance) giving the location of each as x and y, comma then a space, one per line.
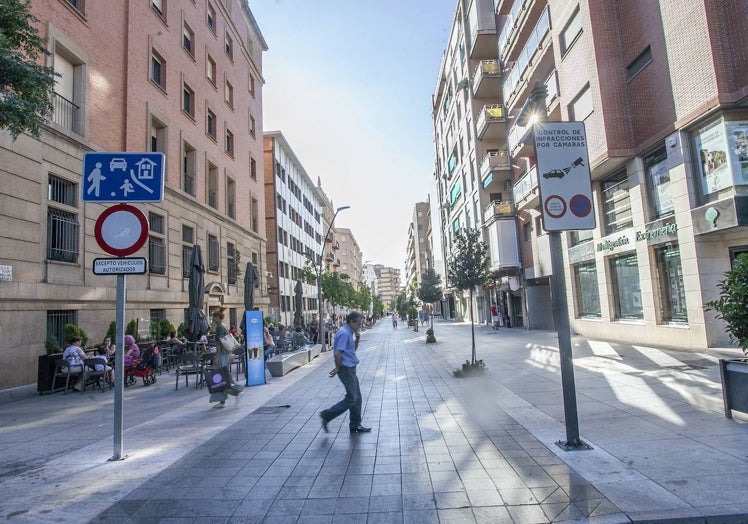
324, 423
360, 429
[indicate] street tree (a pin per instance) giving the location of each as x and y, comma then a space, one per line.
377, 306
26, 87
467, 268
431, 292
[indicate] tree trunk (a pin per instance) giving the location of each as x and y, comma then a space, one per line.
472, 324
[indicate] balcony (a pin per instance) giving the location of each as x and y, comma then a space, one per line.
483, 29
329, 257
491, 122
336, 245
329, 237
487, 79
494, 161
65, 113
503, 247
526, 192
336, 263
498, 209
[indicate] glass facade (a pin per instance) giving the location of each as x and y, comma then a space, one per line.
658, 183
616, 203
672, 293
624, 273
586, 290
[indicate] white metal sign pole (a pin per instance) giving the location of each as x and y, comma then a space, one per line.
119, 368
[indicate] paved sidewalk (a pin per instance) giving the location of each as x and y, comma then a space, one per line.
443, 449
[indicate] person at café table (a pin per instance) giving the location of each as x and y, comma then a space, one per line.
109, 347
74, 356
132, 351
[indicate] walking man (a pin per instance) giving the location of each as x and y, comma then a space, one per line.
345, 368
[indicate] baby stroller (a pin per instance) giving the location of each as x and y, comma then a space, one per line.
145, 367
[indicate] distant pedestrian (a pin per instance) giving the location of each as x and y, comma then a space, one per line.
495, 316
345, 368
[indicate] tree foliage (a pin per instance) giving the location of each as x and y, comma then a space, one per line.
430, 290
732, 305
467, 268
25, 86
377, 306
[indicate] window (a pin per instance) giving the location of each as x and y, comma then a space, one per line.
158, 70
580, 237
672, 293
214, 254
188, 40
78, 5
62, 225
156, 244
228, 94
211, 124
252, 168
231, 262
160, 7
188, 100
56, 320
254, 213
252, 126
624, 272
212, 186
581, 107
188, 240
527, 231
230, 198
210, 70
188, 168
229, 47
616, 203
570, 32
230, 142
586, 290
211, 18
67, 99
252, 85
158, 136
639, 63
658, 183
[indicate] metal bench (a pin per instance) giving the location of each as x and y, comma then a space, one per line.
284, 363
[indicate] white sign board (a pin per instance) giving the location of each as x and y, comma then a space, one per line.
564, 176
6, 272
119, 266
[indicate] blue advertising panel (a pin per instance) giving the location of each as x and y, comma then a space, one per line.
123, 177
255, 342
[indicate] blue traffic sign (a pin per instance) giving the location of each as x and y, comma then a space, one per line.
123, 177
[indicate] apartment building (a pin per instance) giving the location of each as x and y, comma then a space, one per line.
472, 166
350, 256
661, 87
388, 283
294, 228
182, 78
419, 256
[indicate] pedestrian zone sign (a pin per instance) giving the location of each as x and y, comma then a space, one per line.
564, 176
123, 177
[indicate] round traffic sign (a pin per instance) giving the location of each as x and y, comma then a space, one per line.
580, 205
121, 230
555, 206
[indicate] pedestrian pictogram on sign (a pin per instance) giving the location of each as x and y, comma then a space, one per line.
123, 177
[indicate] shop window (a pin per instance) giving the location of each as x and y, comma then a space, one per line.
658, 184
627, 296
616, 203
670, 285
580, 237
586, 291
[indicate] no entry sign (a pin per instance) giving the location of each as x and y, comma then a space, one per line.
564, 176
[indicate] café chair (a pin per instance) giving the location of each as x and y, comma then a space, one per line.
63, 370
91, 375
185, 365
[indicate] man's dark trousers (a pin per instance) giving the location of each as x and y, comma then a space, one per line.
352, 400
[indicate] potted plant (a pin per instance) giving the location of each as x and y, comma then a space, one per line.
732, 308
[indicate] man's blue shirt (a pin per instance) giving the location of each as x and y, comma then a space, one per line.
345, 341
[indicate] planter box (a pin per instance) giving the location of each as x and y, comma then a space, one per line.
45, 372
734, 374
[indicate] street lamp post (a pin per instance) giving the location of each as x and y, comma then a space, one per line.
318, 269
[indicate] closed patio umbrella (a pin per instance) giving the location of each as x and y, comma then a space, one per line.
298, 319
251, 282
195, 323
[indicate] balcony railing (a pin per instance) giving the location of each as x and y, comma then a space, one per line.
65, 113
490, 114
498, 208
330, 256
526, 184
494, 161
336, 245
524, 60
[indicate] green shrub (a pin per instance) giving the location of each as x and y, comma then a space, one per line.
732, 305
52, 345
112, 331
132, 329
71, 330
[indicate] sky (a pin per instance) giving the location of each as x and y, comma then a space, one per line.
349, 84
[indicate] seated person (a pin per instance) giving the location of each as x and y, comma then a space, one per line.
132, 351
173, 338
109, 347
102, 356
269, 343
74, 356
299, 337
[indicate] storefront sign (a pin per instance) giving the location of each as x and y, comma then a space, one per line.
617, 242
718, 216
656, 232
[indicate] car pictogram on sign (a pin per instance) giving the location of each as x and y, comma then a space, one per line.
554, 173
